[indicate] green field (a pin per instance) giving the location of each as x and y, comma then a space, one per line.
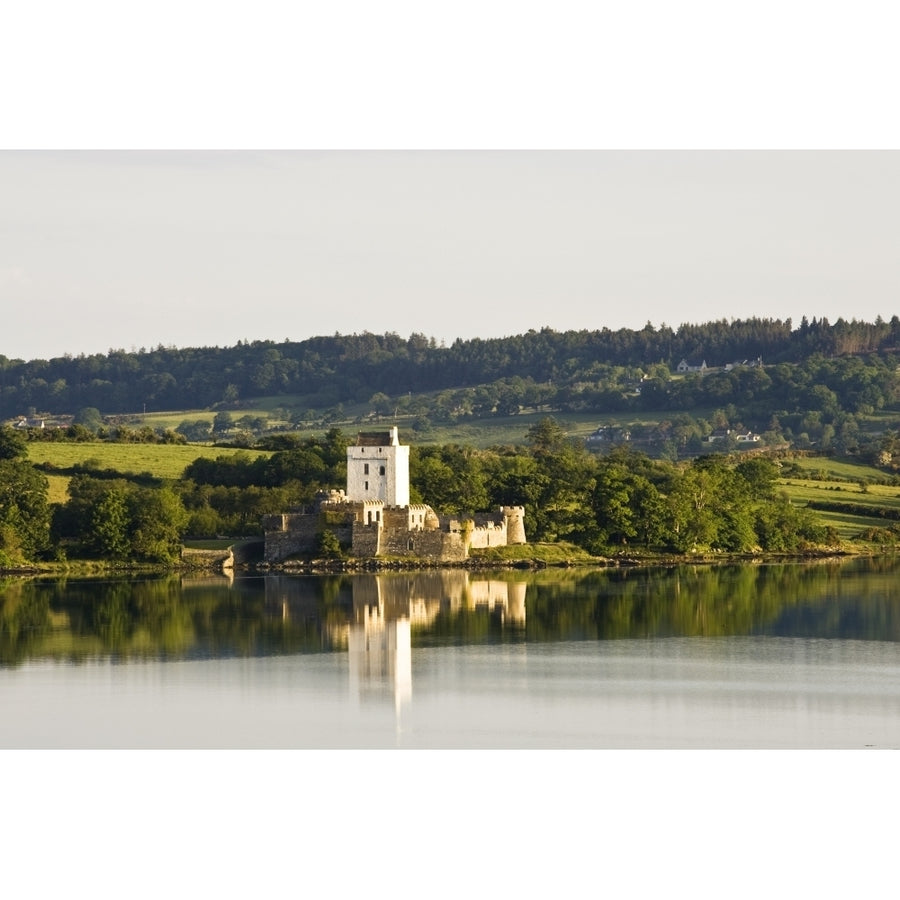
479, 433
513, 430
159, 460
278, 410
837, 469
878, 496
845, 482
171, 420
58, 491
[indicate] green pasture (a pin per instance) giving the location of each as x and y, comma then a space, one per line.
551, 554
160, 460
58, 491
838, 469
481, 433
848, 527
843, 481
171, 420
513, 430
875, 495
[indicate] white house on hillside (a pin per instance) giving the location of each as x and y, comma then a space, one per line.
684, 366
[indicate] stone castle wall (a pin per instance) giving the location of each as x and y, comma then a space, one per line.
292, 534
369, 527
400, 531
366, 540
489, 531
438, 546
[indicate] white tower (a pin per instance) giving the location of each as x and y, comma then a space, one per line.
378, 468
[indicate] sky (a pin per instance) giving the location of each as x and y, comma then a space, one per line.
108, 249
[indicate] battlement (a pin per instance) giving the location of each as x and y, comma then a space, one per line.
515, 523
373, 517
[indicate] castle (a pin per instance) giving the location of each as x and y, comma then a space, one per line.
374, 517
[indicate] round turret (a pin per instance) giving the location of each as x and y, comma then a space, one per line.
514, 517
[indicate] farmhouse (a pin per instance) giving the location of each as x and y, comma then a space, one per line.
741, 437
374, 518
684, 366
605, 434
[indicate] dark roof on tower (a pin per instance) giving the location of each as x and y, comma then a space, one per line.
374, 439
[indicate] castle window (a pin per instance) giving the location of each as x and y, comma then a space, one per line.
366, 469
367, 485
381, 472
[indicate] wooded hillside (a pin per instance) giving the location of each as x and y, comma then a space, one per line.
599, 370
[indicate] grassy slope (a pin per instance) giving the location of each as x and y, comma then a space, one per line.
492, 431
495, 431
551, 554
160, 460
277, 409
839, 468
173, 419
838, 481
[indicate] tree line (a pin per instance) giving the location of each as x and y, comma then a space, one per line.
149, 618
823, 402
598, 370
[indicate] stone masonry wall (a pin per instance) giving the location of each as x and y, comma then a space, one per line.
365, 540
298, 533
488, 535
207, 559
439, 546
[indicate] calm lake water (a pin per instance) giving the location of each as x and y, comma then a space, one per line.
752, 656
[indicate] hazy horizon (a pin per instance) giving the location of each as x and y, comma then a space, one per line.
148, 348
105, 250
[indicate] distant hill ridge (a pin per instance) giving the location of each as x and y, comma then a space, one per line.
544, 367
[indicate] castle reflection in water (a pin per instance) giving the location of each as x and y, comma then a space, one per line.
373, 617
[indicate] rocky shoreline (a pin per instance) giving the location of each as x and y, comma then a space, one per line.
474, 563
337, 566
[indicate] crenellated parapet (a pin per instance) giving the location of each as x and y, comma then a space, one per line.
514, 517
374, 517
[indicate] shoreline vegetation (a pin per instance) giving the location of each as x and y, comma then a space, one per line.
526, 557
615, 509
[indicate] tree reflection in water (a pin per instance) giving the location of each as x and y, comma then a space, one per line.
389, 614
